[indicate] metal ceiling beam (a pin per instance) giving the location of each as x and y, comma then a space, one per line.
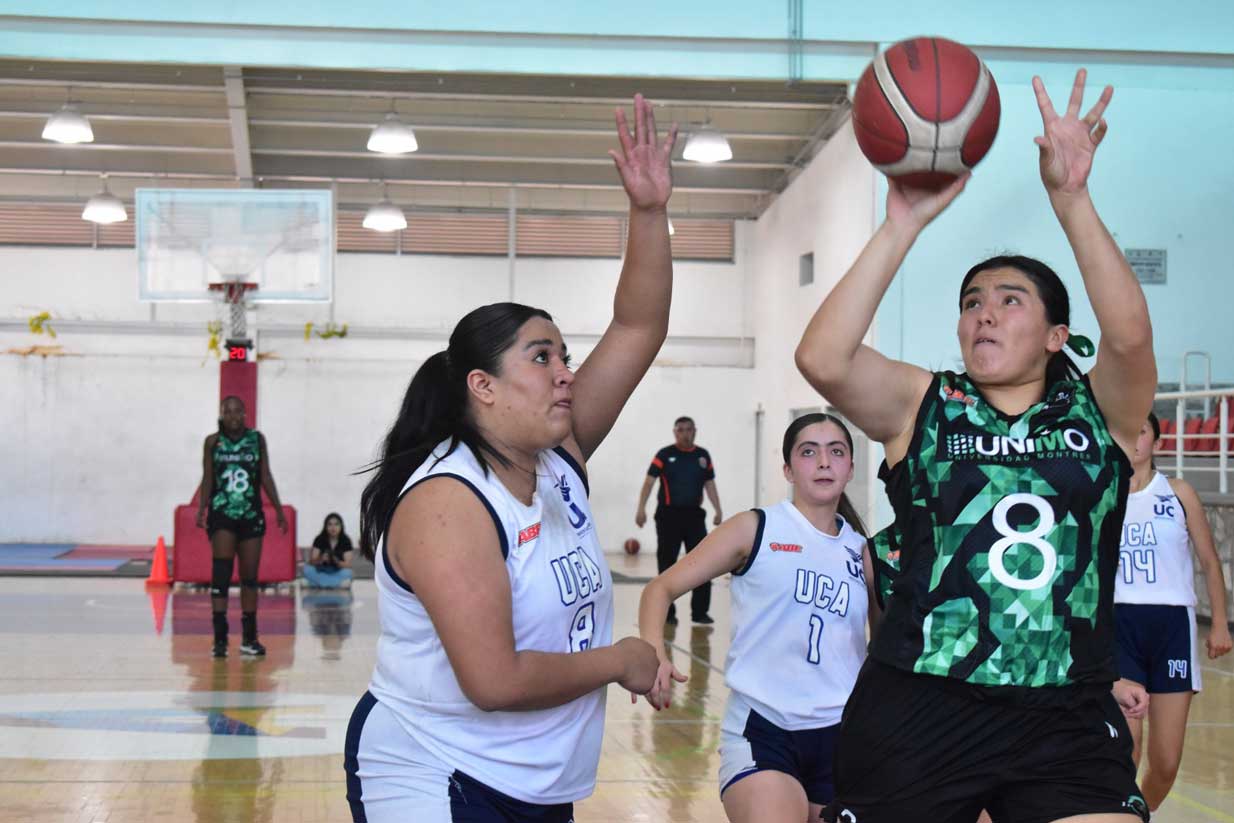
89, 147
488, 158
534, 98
237, 113
166, 119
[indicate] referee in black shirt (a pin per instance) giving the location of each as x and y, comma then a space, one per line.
685, 471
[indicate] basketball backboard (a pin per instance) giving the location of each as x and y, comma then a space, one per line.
279, 240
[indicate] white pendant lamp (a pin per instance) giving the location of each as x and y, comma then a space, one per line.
104, 208
392, 136
384, 216
68, 126
707, 146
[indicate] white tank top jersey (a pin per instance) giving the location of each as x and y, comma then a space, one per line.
1154, 555
562, 602
799, 609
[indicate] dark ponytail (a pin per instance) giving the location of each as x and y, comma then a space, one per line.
1053, 294
845, 507
435, 409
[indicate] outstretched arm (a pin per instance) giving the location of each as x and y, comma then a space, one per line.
442, 543
1124, 377
724, 550
878, 394
614, 368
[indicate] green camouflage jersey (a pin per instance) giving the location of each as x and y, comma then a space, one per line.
1004, 549
237, 478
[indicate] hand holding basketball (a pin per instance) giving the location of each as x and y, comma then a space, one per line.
913, 209
1070, 141
645, 162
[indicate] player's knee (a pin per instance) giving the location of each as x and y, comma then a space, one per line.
249, 583
220, 577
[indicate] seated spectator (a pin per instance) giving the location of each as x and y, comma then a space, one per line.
329, 565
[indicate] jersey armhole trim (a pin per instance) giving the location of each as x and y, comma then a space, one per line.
565, 455
501, 531
758, 541
886, 472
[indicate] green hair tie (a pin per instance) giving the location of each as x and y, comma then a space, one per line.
1081, 345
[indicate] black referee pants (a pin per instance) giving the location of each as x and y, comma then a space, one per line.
675, 526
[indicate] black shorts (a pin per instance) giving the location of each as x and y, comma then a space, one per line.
922, 748
243, 529
750, 743
1157, 647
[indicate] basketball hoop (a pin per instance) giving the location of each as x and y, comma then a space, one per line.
233, 293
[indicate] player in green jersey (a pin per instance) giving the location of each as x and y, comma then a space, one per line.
234, 463
989, 682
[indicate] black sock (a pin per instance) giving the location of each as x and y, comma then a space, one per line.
249, 621
220, 627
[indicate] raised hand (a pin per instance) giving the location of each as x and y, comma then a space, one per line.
645, 162
1070, 141
914, 208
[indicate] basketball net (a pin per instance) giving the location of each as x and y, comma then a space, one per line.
233, 294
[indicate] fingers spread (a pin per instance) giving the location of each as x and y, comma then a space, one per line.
1077, 93
1043, 102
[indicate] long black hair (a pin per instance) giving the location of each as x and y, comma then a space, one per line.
1053, 295
324, 539
845, 507
435, 408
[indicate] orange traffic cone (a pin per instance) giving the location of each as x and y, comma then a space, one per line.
158, 568
158, 604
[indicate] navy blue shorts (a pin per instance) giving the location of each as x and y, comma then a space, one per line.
392, 779
751, 743
1157, 647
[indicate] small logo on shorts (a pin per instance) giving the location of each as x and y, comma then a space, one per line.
847, 816
1137, 805
1113, 731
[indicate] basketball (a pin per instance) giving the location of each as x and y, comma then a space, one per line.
925, 111
631, 546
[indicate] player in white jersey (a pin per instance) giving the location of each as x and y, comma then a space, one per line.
800, 605
1154, 600
487, 700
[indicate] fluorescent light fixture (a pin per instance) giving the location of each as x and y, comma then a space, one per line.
392, 136
68, 126
104, 207
707, 146
385, 216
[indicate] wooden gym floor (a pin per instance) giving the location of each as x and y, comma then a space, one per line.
104, 718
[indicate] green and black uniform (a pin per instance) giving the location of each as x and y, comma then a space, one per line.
236, 503
988, 682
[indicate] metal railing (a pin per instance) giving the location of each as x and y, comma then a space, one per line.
1193, 452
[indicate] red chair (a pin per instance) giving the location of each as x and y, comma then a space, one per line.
1168, 442
1191, 427
1209, 426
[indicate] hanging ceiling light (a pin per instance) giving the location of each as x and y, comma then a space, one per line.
68, 126
671, 230
104, 207
392, 136
707, 146
384, 216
